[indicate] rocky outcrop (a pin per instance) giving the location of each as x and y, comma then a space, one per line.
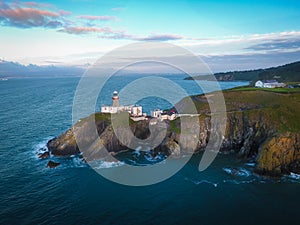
44, 155
52, 164
96, 139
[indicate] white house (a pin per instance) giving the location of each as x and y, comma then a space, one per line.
155, 113
172, 116
136, 111
259, 84
160, 115
268, 84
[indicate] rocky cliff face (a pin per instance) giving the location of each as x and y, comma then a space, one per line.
249, 132
279, 155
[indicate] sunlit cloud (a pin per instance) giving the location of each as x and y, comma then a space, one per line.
85, 30
160, 37
36, 4
64, 13
28, 17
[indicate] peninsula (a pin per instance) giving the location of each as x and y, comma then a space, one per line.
262, 124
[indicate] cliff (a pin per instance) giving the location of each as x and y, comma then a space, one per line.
261, 125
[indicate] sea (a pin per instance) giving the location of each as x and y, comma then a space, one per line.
34, 110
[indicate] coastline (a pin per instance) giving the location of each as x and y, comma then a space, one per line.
253, 130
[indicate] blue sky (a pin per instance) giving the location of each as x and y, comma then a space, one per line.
78, 31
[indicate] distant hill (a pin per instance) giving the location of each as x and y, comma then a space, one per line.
13, 69
286, 73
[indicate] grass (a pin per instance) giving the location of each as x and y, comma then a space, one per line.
276, 90
175, 126
102, 116
279, 107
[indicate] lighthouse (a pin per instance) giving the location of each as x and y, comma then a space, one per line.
115, 99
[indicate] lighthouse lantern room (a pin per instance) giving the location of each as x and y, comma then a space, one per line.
115, 99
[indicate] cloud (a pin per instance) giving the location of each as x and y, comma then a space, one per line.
244, 44
36, 4
156, 37
279, 44
28, 17
117, 36
101, 18
160, 37
64, 13
85, 30
34, 14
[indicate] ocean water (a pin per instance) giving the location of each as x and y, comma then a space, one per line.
34, 110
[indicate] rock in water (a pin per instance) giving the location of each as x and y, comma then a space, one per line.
44, 155
52, 164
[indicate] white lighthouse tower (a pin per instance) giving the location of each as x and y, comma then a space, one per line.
115, 99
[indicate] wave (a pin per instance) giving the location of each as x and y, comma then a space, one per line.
41, 147
294, 176
239, 172
100, 164
197, 182
250, 164
154, 159
73, 161
240, 181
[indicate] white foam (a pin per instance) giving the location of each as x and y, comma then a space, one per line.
205, 182
107, 165
156, 158
137, 152
240, 172
40, 148
197, 182
294, 176
250, 164
78, 162
239, 181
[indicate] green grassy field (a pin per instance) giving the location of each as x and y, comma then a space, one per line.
275, 90
279, 107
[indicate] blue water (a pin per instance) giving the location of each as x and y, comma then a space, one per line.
34, 110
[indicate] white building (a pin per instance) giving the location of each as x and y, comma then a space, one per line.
172, 116
134, 111
155, 113
268, 84
160, 115
259, 84
109, 109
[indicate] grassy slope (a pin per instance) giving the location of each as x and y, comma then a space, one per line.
278, 107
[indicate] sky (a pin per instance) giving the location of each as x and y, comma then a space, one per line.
76, 32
